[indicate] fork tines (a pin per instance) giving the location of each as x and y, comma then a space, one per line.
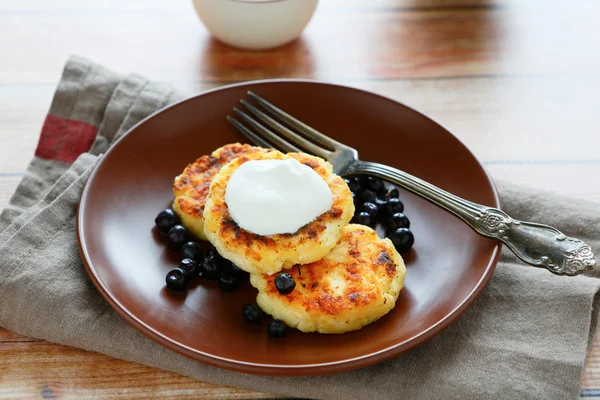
268, 126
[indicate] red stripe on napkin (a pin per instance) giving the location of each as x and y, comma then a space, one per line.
64, 139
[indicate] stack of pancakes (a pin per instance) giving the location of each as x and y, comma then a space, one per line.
346, 276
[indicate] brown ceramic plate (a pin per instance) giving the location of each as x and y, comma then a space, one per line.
127, 259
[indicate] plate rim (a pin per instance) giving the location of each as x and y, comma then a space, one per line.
273, 369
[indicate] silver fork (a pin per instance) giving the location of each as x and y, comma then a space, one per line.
536, 244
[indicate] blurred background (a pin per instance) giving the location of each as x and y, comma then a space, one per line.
502, 75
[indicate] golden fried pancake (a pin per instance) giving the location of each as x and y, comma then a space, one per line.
269, 254
357, 283
191, 187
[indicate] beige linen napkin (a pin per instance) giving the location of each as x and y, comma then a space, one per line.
527, 335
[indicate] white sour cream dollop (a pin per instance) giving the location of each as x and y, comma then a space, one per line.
268, 197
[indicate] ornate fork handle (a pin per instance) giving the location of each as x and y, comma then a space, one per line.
536, 244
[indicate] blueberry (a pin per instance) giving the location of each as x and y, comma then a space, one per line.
393, 193
368, 196
276, 329
219, 259
178, 235
403, 239
375, 184
232, 267
353, 183
211, 252
192, 250
189, 267
364, 218
253, 313
362, 180
396, 221
210, 268
285, 283
393, 206
176, 279
222, 261
370, 208
229, 281
381, 201
165, 220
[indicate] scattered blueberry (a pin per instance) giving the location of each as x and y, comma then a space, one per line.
178, 235
398, 220
252, 313
219, 259
165, 220
229, 281
393, 193
403, 239
368, 196
375, 184
232, 267
276, 329
210, 268
353, 183
192, 250
189, 267
285, 283
370, 208
393, 206
372, 199
211, 252
223, 262
381, 200
364, 218
176, 279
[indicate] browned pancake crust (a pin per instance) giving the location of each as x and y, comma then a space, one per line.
256, 253
355, 284
191, 187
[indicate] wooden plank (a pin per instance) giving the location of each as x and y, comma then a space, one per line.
7, 336
508, 118
41, 369
565, 179
22, 113
335, 45
499, 119
38, 369
591, 378
161, 5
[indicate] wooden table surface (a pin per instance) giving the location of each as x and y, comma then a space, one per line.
516, 80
